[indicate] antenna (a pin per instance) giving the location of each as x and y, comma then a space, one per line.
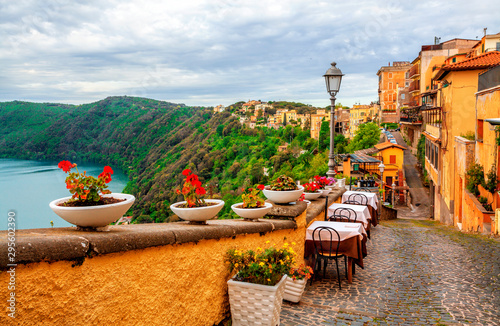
485, 30
437, 40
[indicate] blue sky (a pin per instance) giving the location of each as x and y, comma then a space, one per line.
218, 52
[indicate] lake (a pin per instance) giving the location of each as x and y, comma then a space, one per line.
27, 187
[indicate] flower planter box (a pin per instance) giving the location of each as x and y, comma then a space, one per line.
255, 304
251, 213
283, 197
294, 289
198, 214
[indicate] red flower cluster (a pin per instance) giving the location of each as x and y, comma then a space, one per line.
84, 187
323, 181
192, 189
311, 187
251, 197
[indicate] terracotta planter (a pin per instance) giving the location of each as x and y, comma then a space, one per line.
312, 195
294, 289
255, 304
251, 213
283, 197
198, 214
93, 216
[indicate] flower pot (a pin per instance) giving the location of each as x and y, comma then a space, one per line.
198, 214
251, 213
341, 182
93, 216
283, 197
294, 289
325, 192
255, 304
312, 195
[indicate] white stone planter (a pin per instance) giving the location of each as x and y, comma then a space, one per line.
198, 214
312, 195
93, 216
325, 192
341, 182
283, 197
255, 304
294, 289
251, 213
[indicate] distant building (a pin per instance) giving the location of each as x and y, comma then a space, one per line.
219, 108
390, 78
316, 120
249, 104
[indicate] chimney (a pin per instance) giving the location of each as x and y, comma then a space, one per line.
485, 30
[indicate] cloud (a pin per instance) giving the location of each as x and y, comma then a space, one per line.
216, 52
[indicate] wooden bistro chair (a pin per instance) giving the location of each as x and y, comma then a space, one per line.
343, 214
326, 246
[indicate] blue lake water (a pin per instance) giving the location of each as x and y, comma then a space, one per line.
27, 187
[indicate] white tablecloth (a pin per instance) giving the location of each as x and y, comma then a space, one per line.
345, 230
362, 212
372, 197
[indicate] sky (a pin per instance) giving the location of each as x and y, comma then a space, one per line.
212, 52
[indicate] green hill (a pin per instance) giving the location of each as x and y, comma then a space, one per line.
153, 141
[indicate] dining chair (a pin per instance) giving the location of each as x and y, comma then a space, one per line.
326, 246
360, 198
343, 214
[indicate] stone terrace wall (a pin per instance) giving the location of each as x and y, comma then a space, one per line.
148, 274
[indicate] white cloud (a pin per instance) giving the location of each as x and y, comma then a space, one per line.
216, 52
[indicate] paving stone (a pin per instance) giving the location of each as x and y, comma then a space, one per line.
416, 273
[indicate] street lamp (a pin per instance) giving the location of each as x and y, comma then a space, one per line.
333, 77
381, 167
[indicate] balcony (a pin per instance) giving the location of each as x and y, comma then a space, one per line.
411, 116
414, 86
414, 71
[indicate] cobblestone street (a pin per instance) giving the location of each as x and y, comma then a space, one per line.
417, 272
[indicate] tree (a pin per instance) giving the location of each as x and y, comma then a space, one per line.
324, 135
367, 136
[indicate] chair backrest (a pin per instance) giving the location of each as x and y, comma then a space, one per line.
343, 214
326, 241
364, 189
360, 198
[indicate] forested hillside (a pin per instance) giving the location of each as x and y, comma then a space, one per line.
153, 141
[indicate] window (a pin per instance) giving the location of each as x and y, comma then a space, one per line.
480, 129
407, 84
498, 46
390, 75
392, 159
402, 96
390, 85
454, 60
407, 75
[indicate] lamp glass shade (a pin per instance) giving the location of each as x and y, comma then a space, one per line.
381, 167
333, 83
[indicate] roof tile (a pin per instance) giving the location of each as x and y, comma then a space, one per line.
482, 61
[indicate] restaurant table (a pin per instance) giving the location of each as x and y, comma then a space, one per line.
352, 243
372, 203
362, 213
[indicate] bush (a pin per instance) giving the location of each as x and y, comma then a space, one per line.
474, 177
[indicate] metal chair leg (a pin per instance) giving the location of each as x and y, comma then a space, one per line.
338, 272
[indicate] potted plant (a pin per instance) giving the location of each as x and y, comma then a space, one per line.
283, 190
195, 208
260, 276
91, 204
296, 283
253, 206
340, 179
311, 191
323, 183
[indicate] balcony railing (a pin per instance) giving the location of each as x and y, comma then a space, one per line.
414, 86
414, 71
433, 116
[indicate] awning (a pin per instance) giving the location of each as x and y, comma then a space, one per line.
494, 122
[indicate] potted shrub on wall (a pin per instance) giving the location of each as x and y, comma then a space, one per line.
91, 204
324, 184
311, 191
283, 190
256, 290
296, 283
195, 208
253, 206
340, 180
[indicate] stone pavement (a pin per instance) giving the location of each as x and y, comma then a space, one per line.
416, 273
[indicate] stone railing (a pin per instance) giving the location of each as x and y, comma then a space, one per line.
146, 274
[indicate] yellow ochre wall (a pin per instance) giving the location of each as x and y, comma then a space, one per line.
182, 284
488, 106
391, 170
459, 111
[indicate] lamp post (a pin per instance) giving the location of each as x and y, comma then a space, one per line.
381, 167
333, 77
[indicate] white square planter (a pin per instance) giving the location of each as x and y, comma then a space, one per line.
294, 289
255, 304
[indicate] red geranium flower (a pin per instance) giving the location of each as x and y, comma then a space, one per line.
65, 165
108, 169
200, 191
261, 187
186, 172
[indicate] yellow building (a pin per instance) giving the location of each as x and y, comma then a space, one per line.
458, 85
392, 155
316, 120
359, 114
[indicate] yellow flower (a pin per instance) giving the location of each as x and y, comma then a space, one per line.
268, 241
259, 248
236, 265
269, 280
285, 245
293, 243
261, 264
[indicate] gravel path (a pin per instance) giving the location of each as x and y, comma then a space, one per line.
416, 273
